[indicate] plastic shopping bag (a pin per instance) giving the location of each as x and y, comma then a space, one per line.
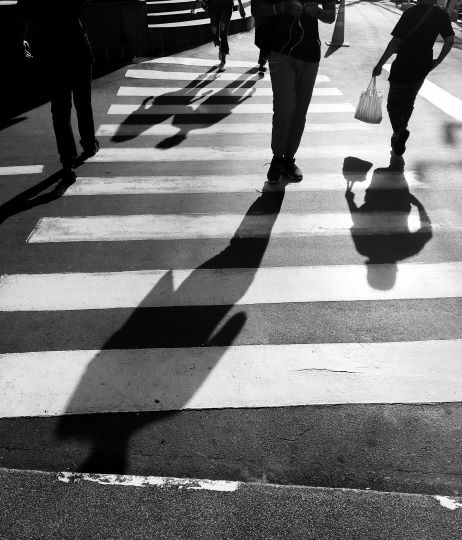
369, 108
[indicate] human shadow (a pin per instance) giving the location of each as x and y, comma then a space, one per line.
34, 196
153, 376
186, 102
381, 230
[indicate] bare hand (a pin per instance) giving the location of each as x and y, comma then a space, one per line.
377, 71
311, 8
292, 7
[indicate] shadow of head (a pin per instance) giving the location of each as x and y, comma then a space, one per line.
381, 276
355, 170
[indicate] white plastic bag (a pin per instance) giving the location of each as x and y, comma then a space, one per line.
369, 108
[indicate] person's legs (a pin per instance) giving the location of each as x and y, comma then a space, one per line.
82, 102
214, 14
61, 107
225, 19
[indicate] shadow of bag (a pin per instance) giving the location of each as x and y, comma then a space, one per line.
369, 108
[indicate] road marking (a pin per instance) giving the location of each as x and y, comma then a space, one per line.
197, 22
53, 383
163, 91
226, 108
438, 97
187, 76
240, 183
188, 61
228, 286
149, 481
163, 129
233, 153
449, 502
120, 228
21, 169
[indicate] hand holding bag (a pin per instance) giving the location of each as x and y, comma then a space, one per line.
369, 108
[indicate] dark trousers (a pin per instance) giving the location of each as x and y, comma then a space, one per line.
68, 86
400, 104
220, 17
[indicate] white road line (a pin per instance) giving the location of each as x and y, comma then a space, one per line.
250, 183
163, 129
21, 169
187, 76
197, 22
227, 286
54, 383
156, 91
440, 98
200, 226
233, 153
226, 108
188, 61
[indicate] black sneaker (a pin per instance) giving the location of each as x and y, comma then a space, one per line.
275, 171
68, 175
398, 141
292, 171
90, 150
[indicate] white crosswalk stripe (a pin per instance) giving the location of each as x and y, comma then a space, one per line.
157, 91
153, 74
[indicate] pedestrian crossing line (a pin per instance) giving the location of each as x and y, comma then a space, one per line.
240, 183
227, 286
226, 108
188, 76
207, 62
54, 383
14, 170
206, 154
161, 91
163, 129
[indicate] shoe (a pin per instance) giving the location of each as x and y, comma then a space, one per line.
292, 171
261, 64
398, 141
222, 57
90, 151
396, 162
68, 176
276, 169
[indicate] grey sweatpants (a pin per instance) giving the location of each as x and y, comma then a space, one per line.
292, 81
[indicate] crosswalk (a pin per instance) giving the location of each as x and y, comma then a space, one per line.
218, 121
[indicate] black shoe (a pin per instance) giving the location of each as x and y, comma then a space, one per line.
89, 150
68, 175
292, 171
398, 141
275, 171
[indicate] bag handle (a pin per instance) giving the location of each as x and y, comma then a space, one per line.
372, 86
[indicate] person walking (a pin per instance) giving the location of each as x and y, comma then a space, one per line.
294, 57
61, 47
220, 13
413, 39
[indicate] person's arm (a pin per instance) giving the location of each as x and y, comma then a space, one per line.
325, 14
447, 46
263, 10
241, 9
391, 49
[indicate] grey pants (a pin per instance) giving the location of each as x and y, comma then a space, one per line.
292, 81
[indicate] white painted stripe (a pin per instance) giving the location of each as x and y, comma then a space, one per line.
197, 22
53, 383
440, 98
226, 108
163, 129
21, 169
227, 286
149, 481
200, 226
157, 2
189, 61
239, 153
173, 13
154, 91
240, 183
187, 76
449, 502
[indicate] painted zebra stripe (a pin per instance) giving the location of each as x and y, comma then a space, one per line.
228, 286
251, 183
21, 169
154, 91
90, 381
197, 22
233, 153
208, 62
110, 130
227, 108
187, 76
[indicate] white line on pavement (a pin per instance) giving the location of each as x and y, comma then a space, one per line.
54, 383
21, 169
228, 286
188, 61
163, 91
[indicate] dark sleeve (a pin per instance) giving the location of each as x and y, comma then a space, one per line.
446, 29
403, 26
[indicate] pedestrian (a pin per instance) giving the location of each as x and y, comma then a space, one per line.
61, 47
220, 13
295, 52
263, 30
413, 38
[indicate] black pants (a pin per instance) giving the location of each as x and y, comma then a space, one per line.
73, 83
400, 104
220, 17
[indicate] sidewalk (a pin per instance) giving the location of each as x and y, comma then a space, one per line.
36, 505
